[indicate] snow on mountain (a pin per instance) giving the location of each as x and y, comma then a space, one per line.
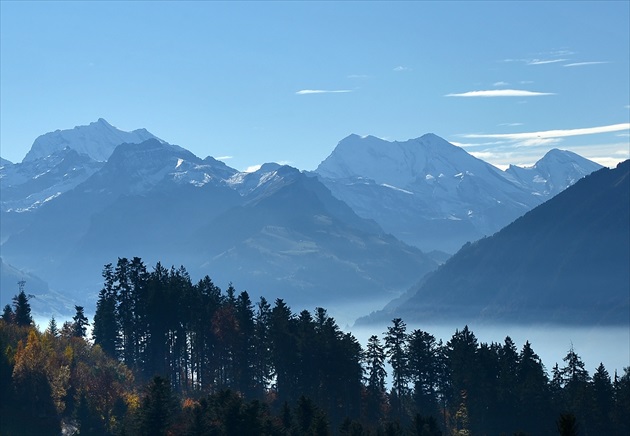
268, 178
553, 173
543, 267
135, 168
97, 140
28, 185
425, 191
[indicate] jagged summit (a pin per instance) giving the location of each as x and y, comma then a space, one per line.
97, 140
553, 173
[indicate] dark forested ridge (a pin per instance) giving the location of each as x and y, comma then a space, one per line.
565, 261
168, 356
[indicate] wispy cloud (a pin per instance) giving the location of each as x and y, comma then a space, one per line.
322, 91
581, 64
224, 157
545, 61
552, 133
401, 68
510, 124
501, 83
500, 93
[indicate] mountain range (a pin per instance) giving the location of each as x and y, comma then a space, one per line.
358, 229
566, 261
436, 196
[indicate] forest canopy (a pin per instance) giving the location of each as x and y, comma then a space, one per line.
169, 356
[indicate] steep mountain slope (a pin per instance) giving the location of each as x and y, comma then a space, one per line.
97, 140
432, 194
30, 184
565, 261
276, 231
104, 208
57, 163
292, 239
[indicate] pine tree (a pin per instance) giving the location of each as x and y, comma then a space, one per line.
80, 323
396, 349
158, 409
575, 381
374, 361
532, 390
52, 329
105, 331
463, 368
284, 351
7, 314
603, 398
22, 308
424, 371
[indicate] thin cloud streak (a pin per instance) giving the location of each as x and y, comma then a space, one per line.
545, 61
581, 64
552, 133
500, 93
322, 91
224, 157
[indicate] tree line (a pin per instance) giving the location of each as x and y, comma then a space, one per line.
169, 356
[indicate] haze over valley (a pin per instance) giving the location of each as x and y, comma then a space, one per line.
315, 218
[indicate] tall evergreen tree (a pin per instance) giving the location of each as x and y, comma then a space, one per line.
79, 323
424, 371
374, 361
52, 329
105, 324
463, 370
22, 308
396, 349
158, 409
532, 389
575, 381
263, 371
602, 406
284, 351
7, 314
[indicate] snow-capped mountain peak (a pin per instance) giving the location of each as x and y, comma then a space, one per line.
398, 164
97, 140
553, 173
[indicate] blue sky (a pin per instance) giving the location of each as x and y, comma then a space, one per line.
257, 82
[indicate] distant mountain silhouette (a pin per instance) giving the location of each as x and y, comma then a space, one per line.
566, 261
276, 232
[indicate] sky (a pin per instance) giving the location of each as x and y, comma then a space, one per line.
256, 82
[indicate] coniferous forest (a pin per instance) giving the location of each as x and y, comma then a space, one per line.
169, 356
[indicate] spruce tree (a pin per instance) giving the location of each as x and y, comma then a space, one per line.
22, 308
53, 329
79, 323
374, 361
7, 314
105, 331
158, 409
396, 349
603, 398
